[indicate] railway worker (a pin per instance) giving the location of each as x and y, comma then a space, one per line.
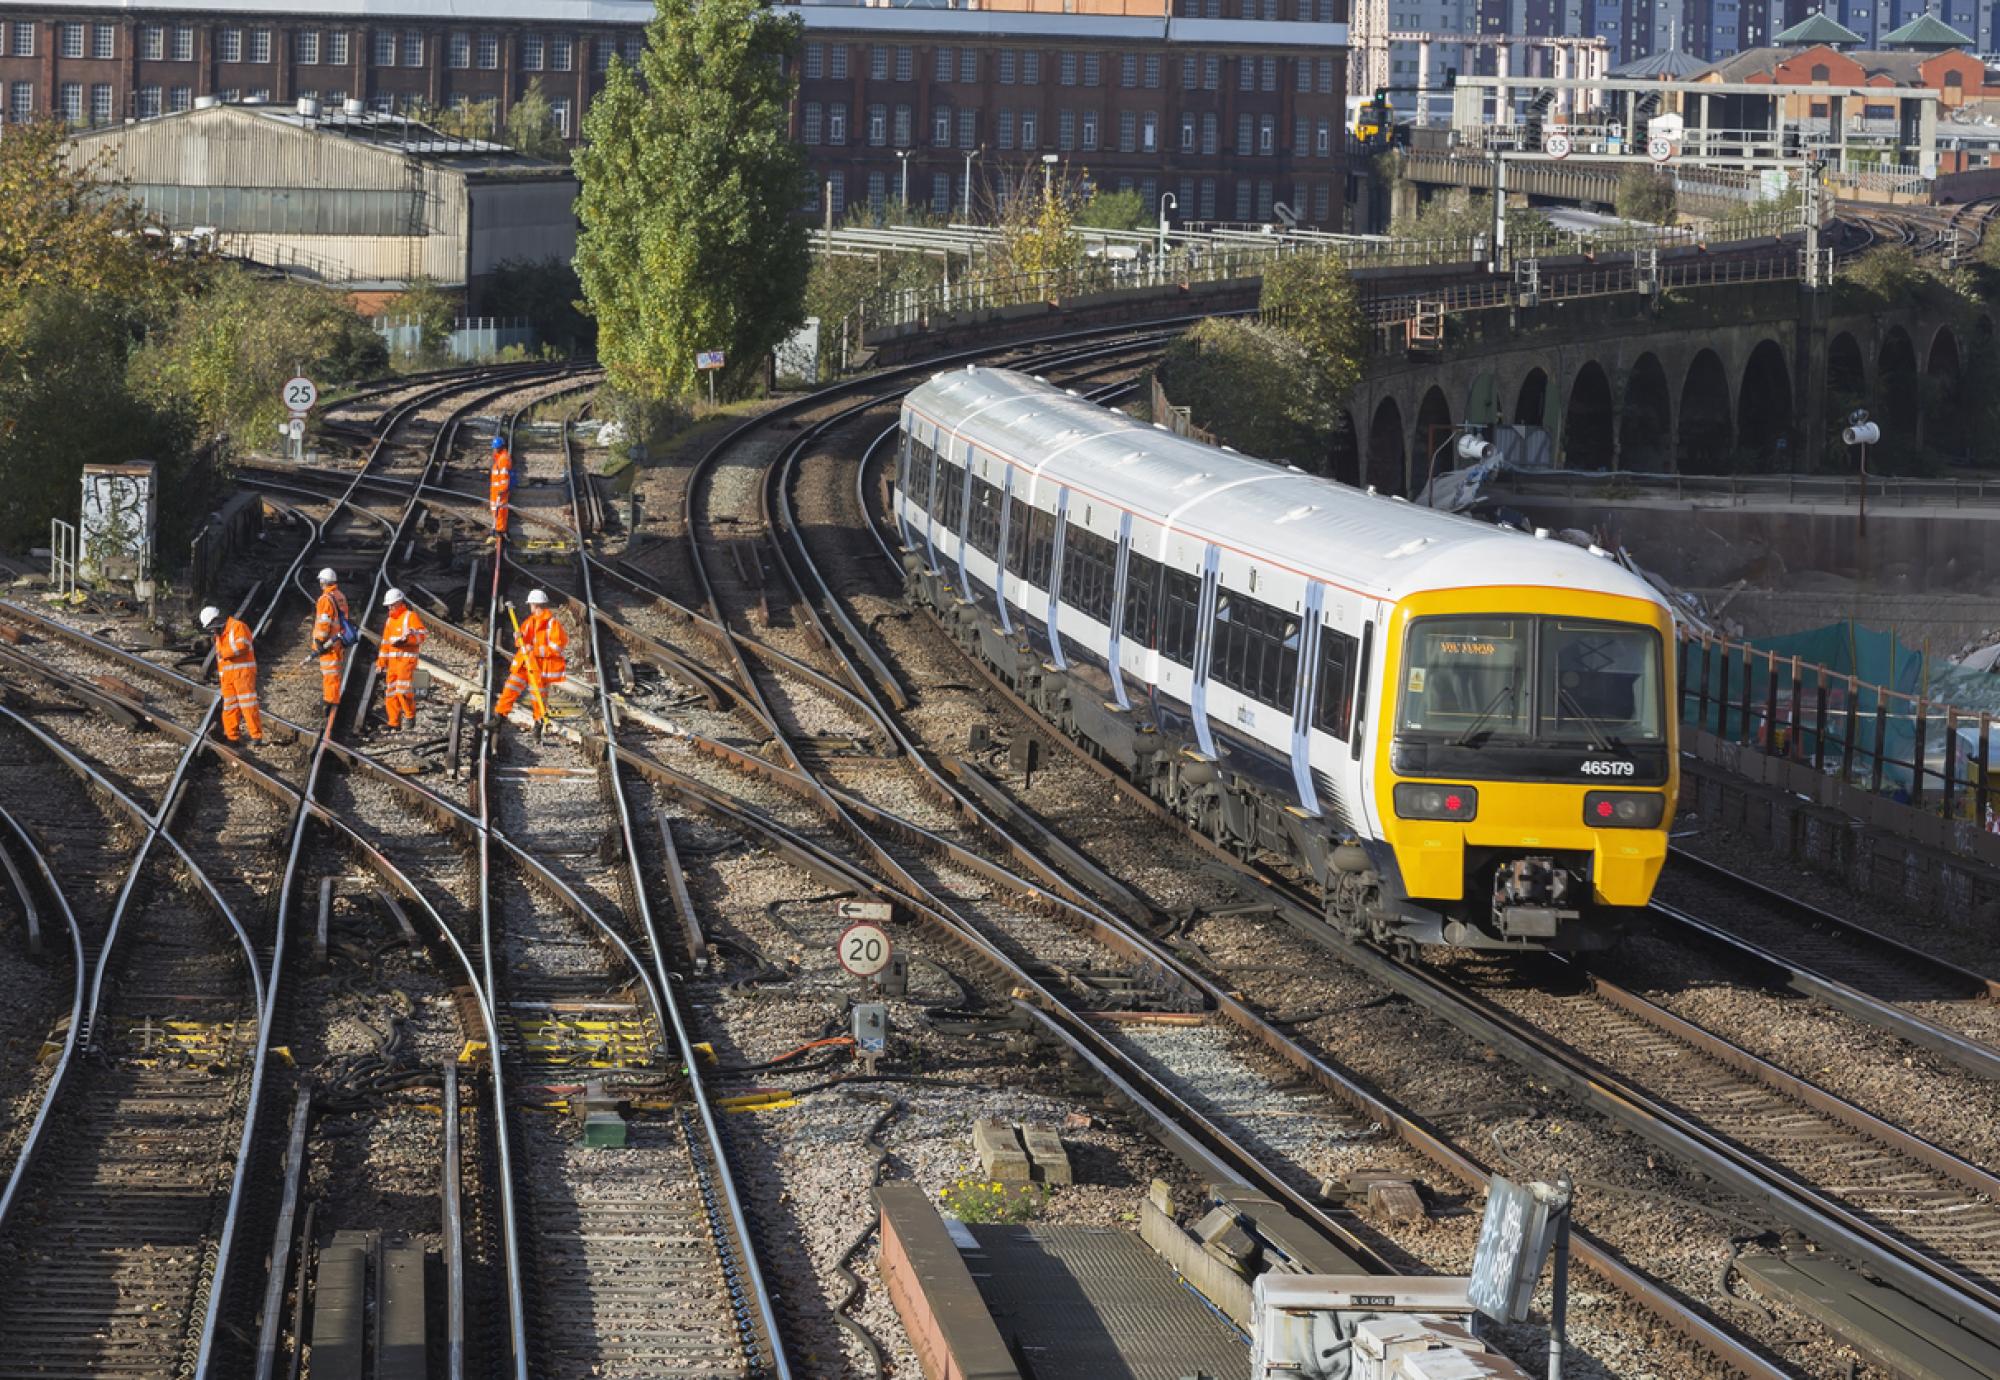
501, 484
541, 648
236, 668
333, 634
403, 632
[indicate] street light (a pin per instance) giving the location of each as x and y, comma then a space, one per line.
965, 208
1471, 448
903, 156
1168, 202
1861, 434
1048, 175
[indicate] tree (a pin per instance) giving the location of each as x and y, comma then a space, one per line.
1115, 211
1038, 230
1310, 297
546, 293
59, 229
691, 236
531, 125
434, 312
1645, 194
1245, 382
473, 120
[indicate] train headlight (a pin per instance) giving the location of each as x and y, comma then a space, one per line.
1421, 800
1623, 809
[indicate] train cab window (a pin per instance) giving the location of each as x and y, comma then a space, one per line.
1142, 584
1090, 567
951, 495
1598, 681
1256, 649
1180, 614
1468, 676
1333, 704
982, 524
1041, 548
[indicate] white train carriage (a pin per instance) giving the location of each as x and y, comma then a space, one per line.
1461, 730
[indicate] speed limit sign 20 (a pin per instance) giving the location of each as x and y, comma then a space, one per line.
863, 949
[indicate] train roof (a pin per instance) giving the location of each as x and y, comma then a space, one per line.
1387, 548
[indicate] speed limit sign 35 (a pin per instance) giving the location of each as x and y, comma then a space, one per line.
1659, 148
1556, 146
863, 949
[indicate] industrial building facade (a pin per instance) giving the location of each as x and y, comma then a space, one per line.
1234, 107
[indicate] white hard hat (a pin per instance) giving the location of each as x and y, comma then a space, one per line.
394, 596
535, 596
327, 577
209, 615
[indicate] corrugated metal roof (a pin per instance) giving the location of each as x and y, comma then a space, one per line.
1384, 547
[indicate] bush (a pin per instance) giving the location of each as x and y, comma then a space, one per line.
978, 1200
1253, 386
1646, 194
547, 293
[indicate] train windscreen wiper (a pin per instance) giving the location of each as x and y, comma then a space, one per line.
1469, 738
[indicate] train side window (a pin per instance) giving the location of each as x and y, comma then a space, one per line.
1142, 581
916, 473
1041, 547
1017, 533
1333, 704
951, 498
1256, 649
1090, 565
982, 527
1180, 614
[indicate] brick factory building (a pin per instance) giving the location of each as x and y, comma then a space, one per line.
1232, 106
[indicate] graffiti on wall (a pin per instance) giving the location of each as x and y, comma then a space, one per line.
120, 514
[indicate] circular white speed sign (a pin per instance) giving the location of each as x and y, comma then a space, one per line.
863, 949
300, 393
1556, 146
1659, 148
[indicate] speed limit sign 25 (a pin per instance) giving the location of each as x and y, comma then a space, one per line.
863, 949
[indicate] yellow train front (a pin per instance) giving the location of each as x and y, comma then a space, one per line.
1525, 776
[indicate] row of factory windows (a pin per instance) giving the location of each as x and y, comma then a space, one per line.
310, 47
1138, 131
1023, 67
96, 104
283, 210
1202, 198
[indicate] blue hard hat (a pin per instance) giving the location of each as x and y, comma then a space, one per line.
499, 443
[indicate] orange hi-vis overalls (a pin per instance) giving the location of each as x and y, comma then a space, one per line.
544, 639
500, 486
236, 667
402, 634
327, 616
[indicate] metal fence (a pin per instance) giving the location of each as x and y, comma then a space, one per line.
1931, 756
229, 530
471, 339
1837, 492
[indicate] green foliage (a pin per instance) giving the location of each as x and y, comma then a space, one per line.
978, 1200
548, 294
1038, 229
1646, 194
1310, 297
1116, 211
531, 126
691, 187
1891, 275
839, 285
1465, 217
58, 229
223, 354
1254, 386
434, 310
473, 120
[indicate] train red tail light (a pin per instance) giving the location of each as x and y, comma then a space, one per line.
1421, 800
1623, 809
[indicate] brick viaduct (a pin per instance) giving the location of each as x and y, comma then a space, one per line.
1743, 379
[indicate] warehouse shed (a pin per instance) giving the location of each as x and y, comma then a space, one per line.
351, 198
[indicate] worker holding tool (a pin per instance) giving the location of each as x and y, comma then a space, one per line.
236, 668
502, 482
333, 633
403, 632
540, 659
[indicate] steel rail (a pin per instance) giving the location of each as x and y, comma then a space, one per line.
684, 1041
32, 851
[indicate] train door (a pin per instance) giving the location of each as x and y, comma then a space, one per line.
964, 514
1302, 699
1000, 550
929, 452
1055, 580
1211, 581
1116, 645
1367, 703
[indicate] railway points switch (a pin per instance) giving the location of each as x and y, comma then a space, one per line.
603, 1123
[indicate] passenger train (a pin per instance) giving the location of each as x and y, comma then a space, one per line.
1461, 731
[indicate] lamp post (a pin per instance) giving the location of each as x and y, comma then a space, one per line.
1168, 202
1861, 434
965, 205
1048, 176
1471, 448
903, 157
